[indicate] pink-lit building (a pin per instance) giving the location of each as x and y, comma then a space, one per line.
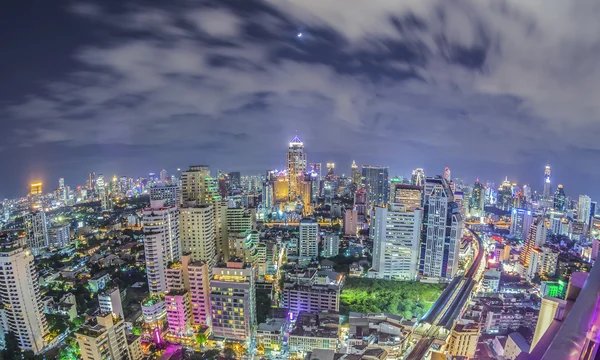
350, 222
178, 312
200, 292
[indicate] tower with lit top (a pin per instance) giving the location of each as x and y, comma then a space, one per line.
296, 166
546, 194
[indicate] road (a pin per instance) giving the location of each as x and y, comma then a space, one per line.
449, 305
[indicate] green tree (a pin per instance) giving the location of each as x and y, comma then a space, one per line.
201, 339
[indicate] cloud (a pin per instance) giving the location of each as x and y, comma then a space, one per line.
504, 82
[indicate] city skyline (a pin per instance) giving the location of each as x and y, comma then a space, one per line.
79, 94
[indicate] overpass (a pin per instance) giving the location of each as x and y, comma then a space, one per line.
435, 327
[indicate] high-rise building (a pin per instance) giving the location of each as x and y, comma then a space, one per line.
36, 231
330, 170
165, 195
91, 182
103, 337
351, 222
199, 280
583, 209
546, 197
356, 177
376, 182
235, 180
110, 302
408, 195
198, 235
36, 189
232, 301
197, 185
418, 177
177, 299
504, 198
477, 201
442, 230
463, 340
520, 222
296, 166
163, 176
560, 199
543, 262
308, 244
397, 231
316, 168
22, 308
331, 245
103, 192
535, 239
162, 244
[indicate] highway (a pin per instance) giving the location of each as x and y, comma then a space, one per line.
440, 318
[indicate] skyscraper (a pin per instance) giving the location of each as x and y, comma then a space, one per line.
583, 209
198, 185
162, 244
418, 177
376, 182
36, 231
476, 203
356, 178
330, 170
520, 222
408, 195
198, 233
397, 231
560, 199
546, 194
308, 246
535, 239
91, 182
296, 166
165, 195
103, 337
442, 230
21, 299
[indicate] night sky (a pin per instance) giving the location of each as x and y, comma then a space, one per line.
488, 88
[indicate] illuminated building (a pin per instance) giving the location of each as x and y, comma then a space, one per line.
491, 281
103, 337
91, 182
515, 346
21, 300
547, 200
555, 289
396, 235
267, 196
177, 299
504, 198
316, 167
110, 302
376, 182
309, 240
543, 262
296, 166
447, 175
305, 191
199, 279
36, 231
162, 244
197, 233
163, 176
559, 199
165, 195
409, 195
232, 301
281, 188
584, 206
356, 177
103, 192
36, 189
350, 222
313, 298
442, 229
330, 170
476, 203
59, 236
535, 239
418, 177
197, 185
331, 245
361, 205
520, 222
463, 340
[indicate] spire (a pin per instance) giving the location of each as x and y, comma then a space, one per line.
296, 139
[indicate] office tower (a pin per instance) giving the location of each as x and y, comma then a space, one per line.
477, 201
235, 180
164, 196
409, 195
520, 222
583, 209
197, 185
281, 188
331, 245
504, 198
535, 239
351, 222
267, 196
442, 229
162, 244
162, 176
59, 236
232, 301
418, 177
91, 182
20, 295
447, 175
103, 337
36, 231
316, 168
376, 182
198, 235
102, 192
110, 302
309, 240
356, 177
397, 231
546, 199
330, 170
560, 199
296, 166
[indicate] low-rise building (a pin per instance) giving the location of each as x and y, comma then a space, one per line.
463, 340
314, 330
270, 334
313, 298
515, 345
503, 320
102, 337
99, 281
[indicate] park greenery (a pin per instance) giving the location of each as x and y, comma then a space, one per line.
407, 298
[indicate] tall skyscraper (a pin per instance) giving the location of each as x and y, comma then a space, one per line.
535, 239
308, 246
442, 230
198, 185
409, 195
546, 194
296, 166
91, 182
397, 232
331, 245
102, 192
520, 222
583, 209
36, 231
36, 189
232, 301
198, 233
165, 196
560, 199
330, 170
162, 244
21, 300
356, 177
235, 180
476, 203
163, 176
376, 182
316, 167
418, 177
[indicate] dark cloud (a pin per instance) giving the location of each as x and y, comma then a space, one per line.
487, 88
